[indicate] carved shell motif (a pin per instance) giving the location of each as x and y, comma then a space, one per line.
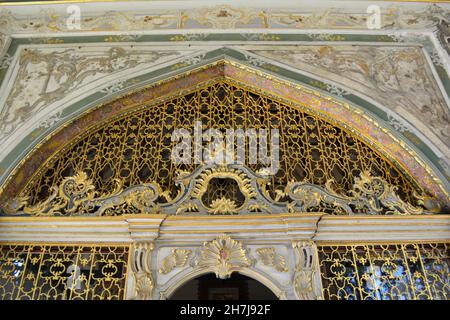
178, 258
224, 256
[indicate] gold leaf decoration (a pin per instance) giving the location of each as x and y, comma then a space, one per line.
178, 258
187, 207
224, 256
306, 277
76, 195
223, 172
223, 206
370, 195
269, 257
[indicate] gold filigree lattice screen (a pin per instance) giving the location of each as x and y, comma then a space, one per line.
385, 272
62, 272
136, 148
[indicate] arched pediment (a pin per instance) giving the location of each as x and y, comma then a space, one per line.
147, 115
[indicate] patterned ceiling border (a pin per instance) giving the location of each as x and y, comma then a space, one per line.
360, 122
233, 15
437, 163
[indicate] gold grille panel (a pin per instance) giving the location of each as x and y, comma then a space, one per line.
137, 147
43, 272
385, 272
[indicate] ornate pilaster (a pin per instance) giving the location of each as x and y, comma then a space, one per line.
307, 282
142, 282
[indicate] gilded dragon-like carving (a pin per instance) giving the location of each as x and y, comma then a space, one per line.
76, 195
270, 257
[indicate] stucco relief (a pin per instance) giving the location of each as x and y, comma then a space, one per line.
45, 76
398, 78
224, 256
3, 41
225, 16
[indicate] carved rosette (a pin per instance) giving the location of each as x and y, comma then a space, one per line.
223, 256
307, 282
143, 280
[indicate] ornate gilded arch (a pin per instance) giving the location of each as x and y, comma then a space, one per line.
115, 158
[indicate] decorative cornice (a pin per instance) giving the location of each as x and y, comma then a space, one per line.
277, 227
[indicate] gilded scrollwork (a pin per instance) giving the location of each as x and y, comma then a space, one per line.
224, 256
178, 258
407, 271
370, 195
223, 172
270, 257
225, 16
37, 271
77, 196
126, 177
379, 196
399, 78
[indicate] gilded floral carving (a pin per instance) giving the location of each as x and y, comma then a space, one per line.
178, 258
225, 16
76, 195
143, 280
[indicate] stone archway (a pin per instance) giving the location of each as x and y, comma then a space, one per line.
249, 273
209, 287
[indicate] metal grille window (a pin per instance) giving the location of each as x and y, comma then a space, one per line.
136, 148
43, 272
385, 272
